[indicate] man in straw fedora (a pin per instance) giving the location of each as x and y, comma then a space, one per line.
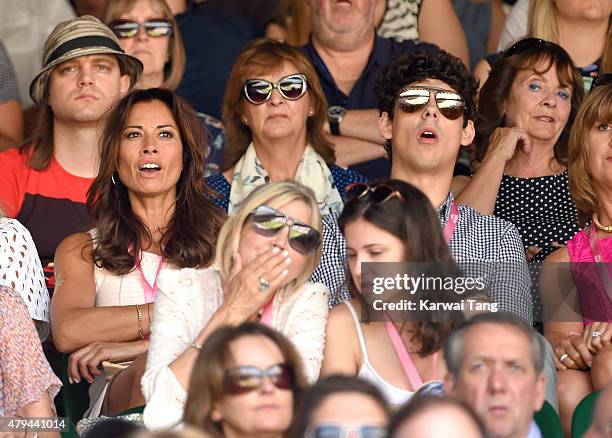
44, 184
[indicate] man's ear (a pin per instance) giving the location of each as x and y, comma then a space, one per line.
467, 137
385, 126
124, 84
449, 384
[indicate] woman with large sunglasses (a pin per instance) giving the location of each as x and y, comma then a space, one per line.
147, 30
526, 111
274, 110
390, 222
583, 348
246, 382
266, 253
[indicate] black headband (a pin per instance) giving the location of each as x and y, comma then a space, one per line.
82, 43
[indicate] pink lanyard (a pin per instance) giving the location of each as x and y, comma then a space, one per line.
403, 356
604, 275
453, 220
149, 291
396, 340
266, 316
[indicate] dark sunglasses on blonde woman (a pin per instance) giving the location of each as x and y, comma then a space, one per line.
245, 379
449, 103
268, 222
292, 87
158, 27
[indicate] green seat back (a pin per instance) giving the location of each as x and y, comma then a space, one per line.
548, 421
583, 415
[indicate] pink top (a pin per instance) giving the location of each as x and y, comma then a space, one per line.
594, 302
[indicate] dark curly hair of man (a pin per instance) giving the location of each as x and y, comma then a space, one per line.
421, 64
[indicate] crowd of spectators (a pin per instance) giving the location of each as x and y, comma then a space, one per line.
198, 199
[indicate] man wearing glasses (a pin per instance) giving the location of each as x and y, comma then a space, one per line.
426, 102
44, 184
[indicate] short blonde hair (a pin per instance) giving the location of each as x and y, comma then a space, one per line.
175, 67
544, 23
597, 107
273, 195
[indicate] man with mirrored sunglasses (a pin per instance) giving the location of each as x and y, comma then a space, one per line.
426, 102
423, 142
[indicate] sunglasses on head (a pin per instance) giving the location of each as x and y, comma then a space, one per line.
245, 379
158, 27
449, 103
268, 222
376, 194
291, 87
602, 79
332, 430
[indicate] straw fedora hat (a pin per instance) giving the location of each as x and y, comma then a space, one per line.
82, 36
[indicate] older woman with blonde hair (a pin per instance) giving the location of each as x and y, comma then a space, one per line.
228, 395
583, 349
274, 111
265, 253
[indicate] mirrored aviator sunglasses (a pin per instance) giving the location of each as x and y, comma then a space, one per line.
245, 379
129, 28
449, 103
331, 430
268, 222
292, 87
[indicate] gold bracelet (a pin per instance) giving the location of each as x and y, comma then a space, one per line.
140, 331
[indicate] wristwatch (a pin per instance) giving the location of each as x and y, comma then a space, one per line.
335, 114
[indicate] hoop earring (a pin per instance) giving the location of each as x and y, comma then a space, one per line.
115, 183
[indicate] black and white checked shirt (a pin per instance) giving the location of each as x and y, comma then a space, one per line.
481, 239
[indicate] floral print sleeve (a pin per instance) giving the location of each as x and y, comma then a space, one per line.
25, 374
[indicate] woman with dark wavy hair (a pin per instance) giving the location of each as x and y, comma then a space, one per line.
389, 222
525, 114
152, 213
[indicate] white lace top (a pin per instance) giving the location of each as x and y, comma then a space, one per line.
20, 269
185, 302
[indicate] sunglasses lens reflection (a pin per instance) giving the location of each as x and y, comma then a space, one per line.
129, 29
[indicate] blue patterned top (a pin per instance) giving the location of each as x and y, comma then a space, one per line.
342, 178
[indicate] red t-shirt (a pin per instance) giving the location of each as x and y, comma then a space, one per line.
50, 203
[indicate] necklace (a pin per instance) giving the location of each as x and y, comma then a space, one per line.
605, 229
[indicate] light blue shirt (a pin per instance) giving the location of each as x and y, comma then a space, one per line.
534, 431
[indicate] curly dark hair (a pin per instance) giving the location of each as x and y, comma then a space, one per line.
497, 88
190, 238
413, 220
421, 64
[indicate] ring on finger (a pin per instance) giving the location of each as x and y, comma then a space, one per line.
596, 334
264, 284
563, 357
